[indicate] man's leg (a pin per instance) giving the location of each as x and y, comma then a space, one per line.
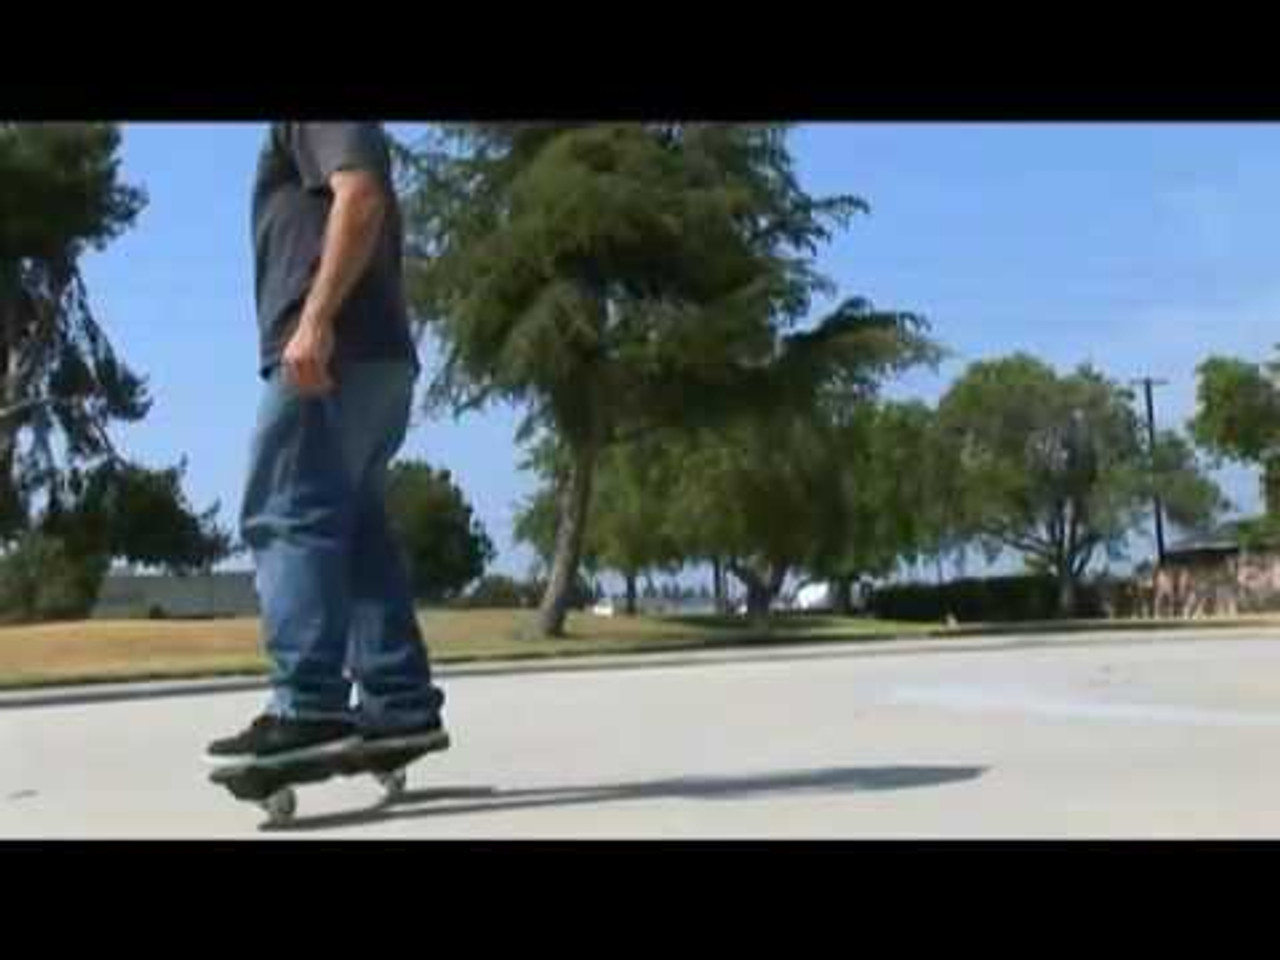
387, 653
298, 520
297, 517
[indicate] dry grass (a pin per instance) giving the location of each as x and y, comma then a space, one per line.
103, 650
96, 651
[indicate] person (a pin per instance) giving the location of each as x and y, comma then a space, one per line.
348, 663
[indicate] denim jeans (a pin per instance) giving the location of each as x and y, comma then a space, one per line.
335, 598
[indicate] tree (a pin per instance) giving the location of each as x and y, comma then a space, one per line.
613, 279
760, 489
55, 566
61, 383
627, 532
124, 511
1056, 468
42, 579
446, 544
535, 527
537, 516
888, 500
630, 530
496, 590
751, 493
1238, 418
777, 488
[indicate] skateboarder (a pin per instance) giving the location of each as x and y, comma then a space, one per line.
339, 366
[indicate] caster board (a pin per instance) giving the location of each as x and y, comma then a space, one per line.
273, 787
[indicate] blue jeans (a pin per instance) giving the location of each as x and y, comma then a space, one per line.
336, 603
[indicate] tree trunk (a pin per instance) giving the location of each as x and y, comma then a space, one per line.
758, 602
776, 580
1271, 486
762, 588
8, 431
8, 424
8, 493
575, 498
842, 596
1066, 595
717, 586
630, 608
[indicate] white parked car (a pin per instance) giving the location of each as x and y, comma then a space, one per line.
820, 596
814, 596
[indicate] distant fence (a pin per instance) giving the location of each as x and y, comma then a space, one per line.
130, 596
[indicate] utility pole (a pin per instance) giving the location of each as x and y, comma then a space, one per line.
1147, 385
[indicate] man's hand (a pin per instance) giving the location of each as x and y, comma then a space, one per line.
307, 355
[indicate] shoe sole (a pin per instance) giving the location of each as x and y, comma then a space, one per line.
321, 751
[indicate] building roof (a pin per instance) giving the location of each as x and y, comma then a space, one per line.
1222, 539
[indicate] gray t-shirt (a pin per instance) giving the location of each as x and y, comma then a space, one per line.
291, 202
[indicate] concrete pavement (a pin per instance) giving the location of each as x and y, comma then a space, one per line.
1111, 737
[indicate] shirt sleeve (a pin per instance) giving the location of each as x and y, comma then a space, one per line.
322, 149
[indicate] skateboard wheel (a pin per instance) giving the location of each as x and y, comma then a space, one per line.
281, 806
393, 783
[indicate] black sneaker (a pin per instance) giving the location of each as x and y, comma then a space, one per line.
273, 741
427, 737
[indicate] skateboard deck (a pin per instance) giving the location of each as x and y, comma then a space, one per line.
272, 787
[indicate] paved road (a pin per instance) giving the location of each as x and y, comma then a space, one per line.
1016, 738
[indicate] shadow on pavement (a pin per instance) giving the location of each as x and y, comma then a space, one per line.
414, 804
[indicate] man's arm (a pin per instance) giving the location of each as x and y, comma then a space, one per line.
349, 161
351, 236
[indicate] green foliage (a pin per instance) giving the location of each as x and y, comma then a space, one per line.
892, 493
1238, 418
446, 544
62, 383
134, 514
538, 515
812, 483
756, 488
617, 279
593, 269
1190, 499
61, 189
42, 579
1238, 409
535, 526
1056, 467
628, 530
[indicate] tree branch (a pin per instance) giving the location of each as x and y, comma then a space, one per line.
1080, 561
16, 410
745, 574
13, 411
778, 576
1010, 539
639, 433
1052, 527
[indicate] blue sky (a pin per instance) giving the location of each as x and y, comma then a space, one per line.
1139, 247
